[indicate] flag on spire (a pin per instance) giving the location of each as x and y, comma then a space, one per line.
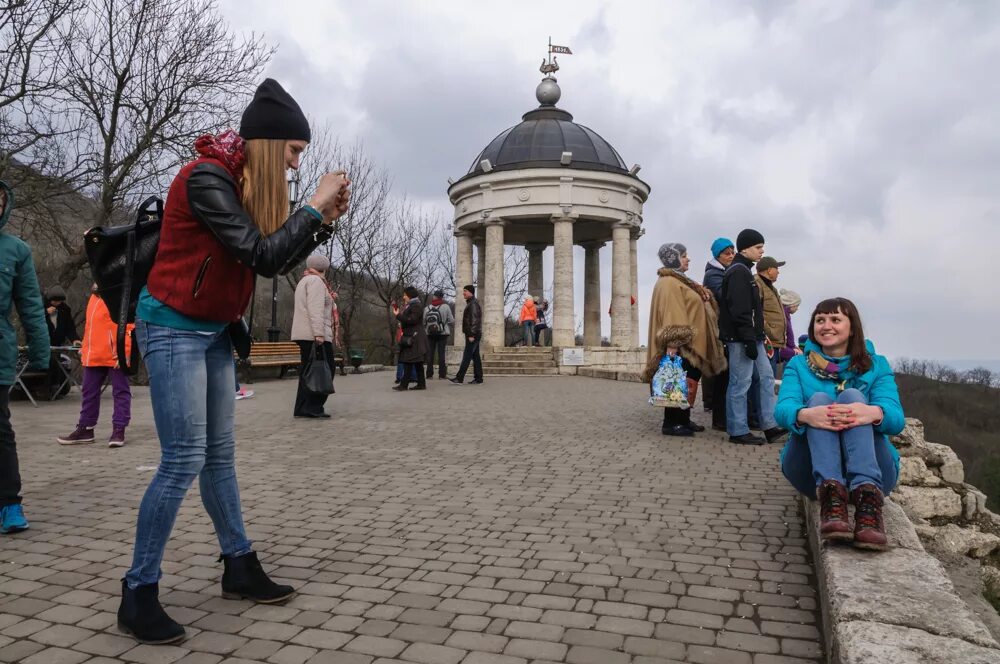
561, 49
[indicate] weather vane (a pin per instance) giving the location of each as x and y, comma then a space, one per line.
551, 65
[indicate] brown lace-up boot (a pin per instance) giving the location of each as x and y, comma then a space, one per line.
833, 523
869, 529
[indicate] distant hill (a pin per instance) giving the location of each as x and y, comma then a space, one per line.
964, 417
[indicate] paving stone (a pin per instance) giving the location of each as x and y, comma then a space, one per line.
56, 656
586, 655
528, 648
322, 639
588, 537
594, 639
477, 641
532, 630
427, 653
62, 636
292, 654
377, 646
336, 657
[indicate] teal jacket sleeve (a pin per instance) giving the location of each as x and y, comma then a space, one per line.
31, 310
790, 399
885, 395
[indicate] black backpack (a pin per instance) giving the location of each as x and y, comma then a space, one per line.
433, 323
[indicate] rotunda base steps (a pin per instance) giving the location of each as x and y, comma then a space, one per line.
593, 361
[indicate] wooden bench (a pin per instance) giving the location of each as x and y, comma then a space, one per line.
281, 354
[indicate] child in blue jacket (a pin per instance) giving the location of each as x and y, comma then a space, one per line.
841, 403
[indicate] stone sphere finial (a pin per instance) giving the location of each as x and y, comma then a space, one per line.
548, 92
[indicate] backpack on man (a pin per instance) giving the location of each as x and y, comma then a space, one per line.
433, 322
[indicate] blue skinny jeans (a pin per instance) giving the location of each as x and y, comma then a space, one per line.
191, 378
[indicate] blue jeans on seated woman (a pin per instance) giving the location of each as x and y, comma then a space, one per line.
852, 457
191, 389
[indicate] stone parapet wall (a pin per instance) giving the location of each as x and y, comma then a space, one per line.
902, 606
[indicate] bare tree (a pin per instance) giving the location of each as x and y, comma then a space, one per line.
33, 128
352, 250
978, 376
396, 253
144, 79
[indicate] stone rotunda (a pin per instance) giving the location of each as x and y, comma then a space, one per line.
549, 181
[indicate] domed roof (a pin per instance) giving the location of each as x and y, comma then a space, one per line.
542, 137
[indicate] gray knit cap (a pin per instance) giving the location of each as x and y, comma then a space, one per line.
318, 262
670, 255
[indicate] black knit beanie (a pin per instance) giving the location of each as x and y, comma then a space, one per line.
747, 238
274, 114
470, 288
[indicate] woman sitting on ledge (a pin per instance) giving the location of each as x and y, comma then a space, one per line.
841, 403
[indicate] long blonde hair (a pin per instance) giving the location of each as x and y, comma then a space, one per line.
265, 190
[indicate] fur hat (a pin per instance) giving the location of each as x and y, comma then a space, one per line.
670, 255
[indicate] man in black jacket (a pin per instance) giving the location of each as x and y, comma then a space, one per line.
472, 330
741, 326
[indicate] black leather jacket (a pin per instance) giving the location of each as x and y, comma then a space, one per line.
211, 195
472, 319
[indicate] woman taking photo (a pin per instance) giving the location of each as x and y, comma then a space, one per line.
312, 329
678, 301
840, 401
224, 222
413, 345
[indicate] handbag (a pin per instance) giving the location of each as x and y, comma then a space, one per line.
121, 258
239, 334
316, 376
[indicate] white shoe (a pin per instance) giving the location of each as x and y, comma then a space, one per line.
244, 394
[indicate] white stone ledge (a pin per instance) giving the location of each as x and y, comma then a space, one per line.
898, 606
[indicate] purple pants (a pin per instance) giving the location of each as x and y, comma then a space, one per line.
90, 402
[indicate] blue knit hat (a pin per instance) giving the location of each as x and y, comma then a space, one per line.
720, 245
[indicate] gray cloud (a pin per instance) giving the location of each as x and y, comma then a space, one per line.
859, 137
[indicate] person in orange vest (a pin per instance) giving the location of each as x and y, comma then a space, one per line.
99, 357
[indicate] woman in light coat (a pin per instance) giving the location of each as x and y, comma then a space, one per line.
312, 326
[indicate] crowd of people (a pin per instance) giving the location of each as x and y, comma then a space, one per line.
225, 221
837, 402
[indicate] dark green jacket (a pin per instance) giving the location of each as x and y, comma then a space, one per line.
19, 288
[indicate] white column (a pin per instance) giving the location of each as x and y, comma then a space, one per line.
621, 285
463, 276
536, 266
634, 302
564, 316
480, 262
592, 294
493, 318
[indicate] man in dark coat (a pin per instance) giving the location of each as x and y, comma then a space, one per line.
472, 330
413, 344
59, 317
741, 327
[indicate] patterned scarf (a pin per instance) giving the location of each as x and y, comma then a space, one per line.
228, 147
824, 369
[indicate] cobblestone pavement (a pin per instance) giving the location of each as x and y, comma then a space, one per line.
525, 520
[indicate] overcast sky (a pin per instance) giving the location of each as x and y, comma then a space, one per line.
861, 138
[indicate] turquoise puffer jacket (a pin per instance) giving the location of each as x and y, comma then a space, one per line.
19, 287
878, 384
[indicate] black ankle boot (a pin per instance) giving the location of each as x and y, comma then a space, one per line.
244, 578
141, 616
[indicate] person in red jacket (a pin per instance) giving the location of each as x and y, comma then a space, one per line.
99, 358
224, 222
